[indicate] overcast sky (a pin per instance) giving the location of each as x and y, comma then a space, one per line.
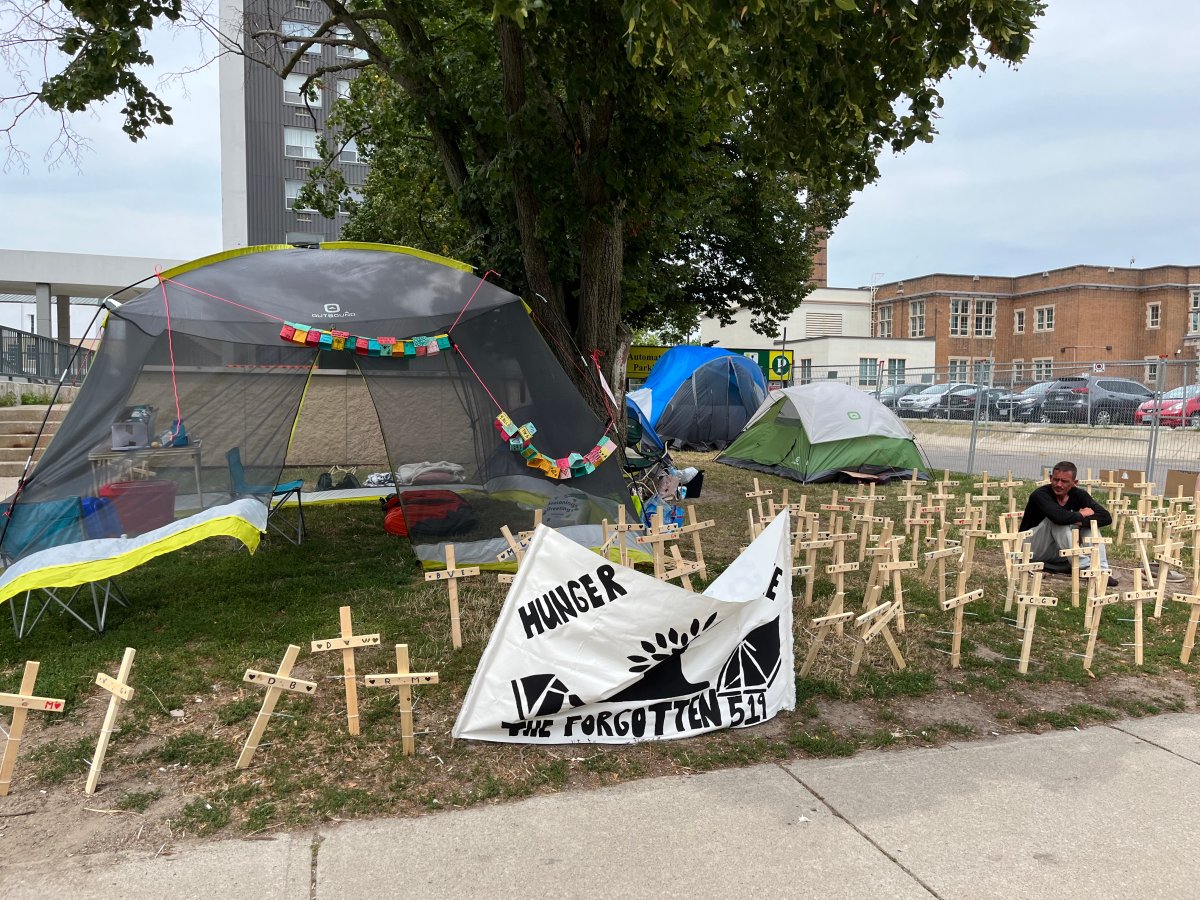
1085, 154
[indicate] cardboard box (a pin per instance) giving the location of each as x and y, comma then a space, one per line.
1188, 479
1126, 477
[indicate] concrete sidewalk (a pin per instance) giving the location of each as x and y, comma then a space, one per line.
1106, 812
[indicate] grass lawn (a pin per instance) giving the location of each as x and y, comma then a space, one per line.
200, 617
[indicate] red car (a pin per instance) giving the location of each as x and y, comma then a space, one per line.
1177, 407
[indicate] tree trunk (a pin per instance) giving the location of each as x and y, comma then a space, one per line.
600, 327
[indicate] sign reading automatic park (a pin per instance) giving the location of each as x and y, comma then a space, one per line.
587, 651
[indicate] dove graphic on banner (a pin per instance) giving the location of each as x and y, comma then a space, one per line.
587, 651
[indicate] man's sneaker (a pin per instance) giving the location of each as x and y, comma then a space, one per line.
1113, 581
1173, 577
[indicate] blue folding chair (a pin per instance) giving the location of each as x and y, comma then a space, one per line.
277, 495
31, 527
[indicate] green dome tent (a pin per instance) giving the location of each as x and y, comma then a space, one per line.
814, 432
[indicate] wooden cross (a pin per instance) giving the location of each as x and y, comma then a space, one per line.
838, 570
1097, 577
866, 518
347, 643
403, 679
938, 501
275, 683
1141, 538
1031, 602
622, 528
452, 575
1088, 482
957, 604
1009, 484
121, 691
914, 525
877, 554
656, 537
1020, 581
969, 537
516, 547
833, 506
1007, 537
1073, 553
754, 527
758, 493
1189, 636
939, 555
1095, 606
694, 527
684, 569
1137, 597
823, 624
22, 702
810, 549
1167, 554
871, 624
946, 482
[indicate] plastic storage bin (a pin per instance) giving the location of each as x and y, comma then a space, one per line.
142, 505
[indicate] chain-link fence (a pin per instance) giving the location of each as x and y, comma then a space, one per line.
974, 416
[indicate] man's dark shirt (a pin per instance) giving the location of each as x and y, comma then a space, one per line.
1042, 504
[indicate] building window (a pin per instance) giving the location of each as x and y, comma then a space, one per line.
958, 369
1153, 315
349, 153
299, 29
295, 93
303, 4
985, 318
300, 143
806, 371
916, 318
895, 371
983, 371
347, 51
1018, 321
1152, 363
350, 201
1194, 313
1043, 369
291, 190
1043, 318
884, 329
960, 318
1018, 371
343, 88
868, 370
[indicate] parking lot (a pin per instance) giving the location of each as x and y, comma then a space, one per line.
1026, 448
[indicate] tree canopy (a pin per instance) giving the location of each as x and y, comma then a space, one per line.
629, 164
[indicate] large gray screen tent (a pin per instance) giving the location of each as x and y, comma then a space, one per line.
207, 345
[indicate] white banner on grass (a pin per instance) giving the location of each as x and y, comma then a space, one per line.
586, 651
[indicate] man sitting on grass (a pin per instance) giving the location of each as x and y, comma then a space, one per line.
1053, 510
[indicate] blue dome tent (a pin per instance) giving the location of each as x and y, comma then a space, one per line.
700, 398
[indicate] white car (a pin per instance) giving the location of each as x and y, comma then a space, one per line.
928, 402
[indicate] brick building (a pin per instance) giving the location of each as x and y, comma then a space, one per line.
1044, 324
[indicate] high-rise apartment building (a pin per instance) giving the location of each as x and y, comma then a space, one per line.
269, 128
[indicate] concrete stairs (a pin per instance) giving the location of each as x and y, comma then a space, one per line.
19, 427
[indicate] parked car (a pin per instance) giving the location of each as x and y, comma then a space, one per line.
889, 395
1096, 399
926, 403
1024, 405
1174, 409
966, 403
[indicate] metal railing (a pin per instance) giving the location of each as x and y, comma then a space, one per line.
1139, 415
37, 358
